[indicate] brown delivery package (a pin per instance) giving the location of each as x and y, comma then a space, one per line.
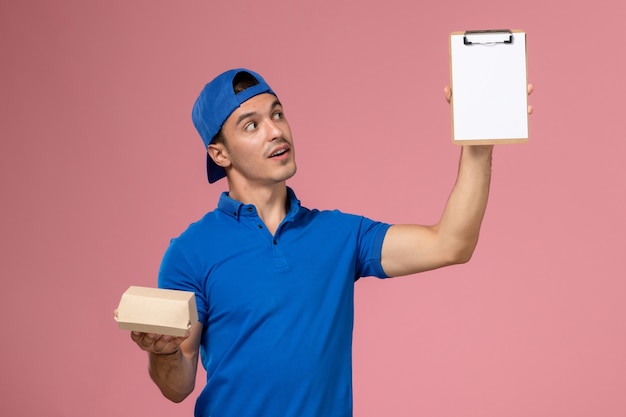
155, 310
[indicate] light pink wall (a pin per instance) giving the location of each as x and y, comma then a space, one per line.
101, 166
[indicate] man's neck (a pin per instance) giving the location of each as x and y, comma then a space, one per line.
270, 201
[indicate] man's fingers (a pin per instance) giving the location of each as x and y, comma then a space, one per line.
448, 93
530, 89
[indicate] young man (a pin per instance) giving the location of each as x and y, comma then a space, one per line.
273, 280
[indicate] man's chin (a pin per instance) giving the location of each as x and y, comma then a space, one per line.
289, 175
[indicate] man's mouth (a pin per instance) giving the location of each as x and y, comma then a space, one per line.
279, 152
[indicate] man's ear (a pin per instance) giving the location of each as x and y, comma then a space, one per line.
219, 154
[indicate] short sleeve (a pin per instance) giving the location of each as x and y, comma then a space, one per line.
176, 273
370, 245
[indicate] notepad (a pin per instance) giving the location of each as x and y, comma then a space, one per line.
489, 87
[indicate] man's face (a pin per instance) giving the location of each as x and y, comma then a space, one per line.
258, 146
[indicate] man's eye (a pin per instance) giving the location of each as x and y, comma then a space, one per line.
250, 127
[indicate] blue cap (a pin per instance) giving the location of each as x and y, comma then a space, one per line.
216, 102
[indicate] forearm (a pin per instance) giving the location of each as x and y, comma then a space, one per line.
464, 212
174, 374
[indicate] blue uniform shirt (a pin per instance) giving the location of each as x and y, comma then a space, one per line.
277, 311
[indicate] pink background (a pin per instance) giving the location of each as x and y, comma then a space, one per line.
101, 166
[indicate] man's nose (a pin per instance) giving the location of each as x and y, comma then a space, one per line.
274, 131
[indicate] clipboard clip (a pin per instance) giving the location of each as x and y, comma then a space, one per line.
487, 37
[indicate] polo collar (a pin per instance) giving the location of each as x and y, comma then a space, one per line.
237, 209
